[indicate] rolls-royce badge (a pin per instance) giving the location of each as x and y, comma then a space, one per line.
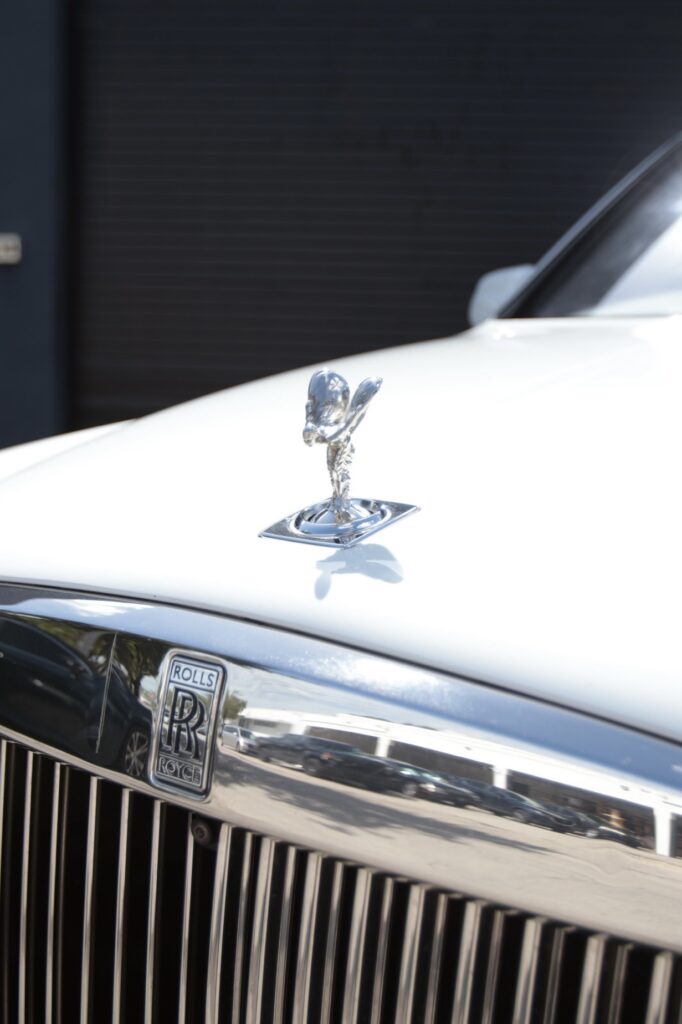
331, 418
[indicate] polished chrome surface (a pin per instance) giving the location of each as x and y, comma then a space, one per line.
82, 674
317, 525
331, 419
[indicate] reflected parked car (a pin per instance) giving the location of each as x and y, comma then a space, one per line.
239, 738
382, 774
446, 789
307, 752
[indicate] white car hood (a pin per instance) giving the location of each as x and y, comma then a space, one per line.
546, 556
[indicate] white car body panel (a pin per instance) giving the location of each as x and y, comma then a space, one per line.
546, 557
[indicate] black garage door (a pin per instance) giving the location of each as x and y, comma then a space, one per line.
263, 185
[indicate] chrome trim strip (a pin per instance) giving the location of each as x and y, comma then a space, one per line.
659, 993
528, 965
283, 945
259, 934
356, 945
589, 986
152, 912
215, 955
186, 919
306, 942
554, 974
53, 878
24, 900
119, 925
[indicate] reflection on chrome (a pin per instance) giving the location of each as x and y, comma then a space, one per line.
424, 776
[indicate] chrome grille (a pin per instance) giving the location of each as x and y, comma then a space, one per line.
117, 906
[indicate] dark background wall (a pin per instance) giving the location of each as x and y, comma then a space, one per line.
32, 380
254, 186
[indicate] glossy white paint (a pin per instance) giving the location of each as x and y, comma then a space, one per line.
21, 456
547, 555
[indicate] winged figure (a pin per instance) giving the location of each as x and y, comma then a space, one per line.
331, 417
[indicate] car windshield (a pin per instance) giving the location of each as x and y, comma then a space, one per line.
628, 263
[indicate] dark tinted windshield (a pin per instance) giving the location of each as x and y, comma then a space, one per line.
628, 263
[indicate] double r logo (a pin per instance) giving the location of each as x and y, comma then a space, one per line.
187, 715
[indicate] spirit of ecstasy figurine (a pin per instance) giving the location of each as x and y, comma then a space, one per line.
331, 418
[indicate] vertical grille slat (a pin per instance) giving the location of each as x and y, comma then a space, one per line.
464, 983
617, 988
259, 934
152, 913
331, 943
52, 898
435, 966
241, 952
217, 924
120, 920
283, 943
528, 965
382, 950
306, 945
356, 944
88, 907
113, 908
659, 993
186, 922
589, 987
408, 967
24, 898
493, 967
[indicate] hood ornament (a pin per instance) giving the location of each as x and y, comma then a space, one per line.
331, 418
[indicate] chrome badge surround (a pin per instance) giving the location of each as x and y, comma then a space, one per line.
332, 417
184, 734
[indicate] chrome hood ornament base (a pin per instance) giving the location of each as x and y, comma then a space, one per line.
331, 419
